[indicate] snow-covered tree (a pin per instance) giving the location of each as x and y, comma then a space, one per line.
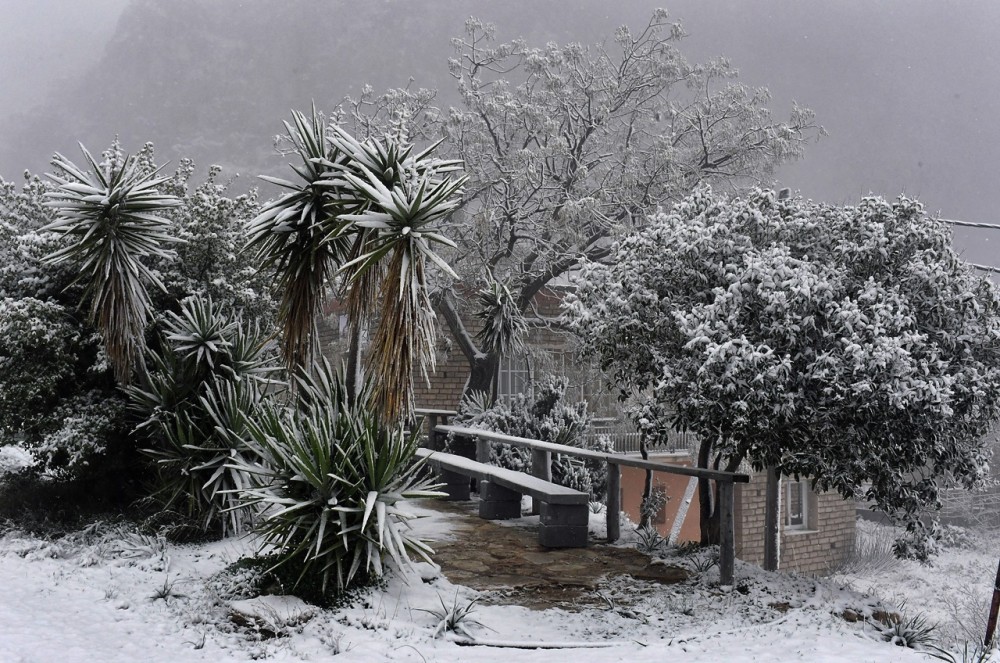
568, 146
57, 390
848, 345
368, 211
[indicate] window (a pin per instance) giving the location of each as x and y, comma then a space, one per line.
796, 504
513, 377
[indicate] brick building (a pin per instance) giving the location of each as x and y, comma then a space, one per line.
817, 529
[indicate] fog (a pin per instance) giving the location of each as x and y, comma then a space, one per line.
909, 90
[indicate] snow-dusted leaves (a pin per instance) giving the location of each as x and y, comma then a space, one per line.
849, 345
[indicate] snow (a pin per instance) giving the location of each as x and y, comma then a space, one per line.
109, 594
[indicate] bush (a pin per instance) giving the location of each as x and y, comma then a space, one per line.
57, 394
56, 397
329, 486
543, 416
208, 378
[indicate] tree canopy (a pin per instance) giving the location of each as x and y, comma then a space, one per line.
848, 345
567, 147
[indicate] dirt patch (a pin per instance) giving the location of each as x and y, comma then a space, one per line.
506, 562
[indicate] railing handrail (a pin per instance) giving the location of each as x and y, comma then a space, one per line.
427, 411
616, 459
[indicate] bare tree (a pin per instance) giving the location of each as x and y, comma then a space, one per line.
567, 147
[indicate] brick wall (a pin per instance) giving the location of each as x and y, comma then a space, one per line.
824, 545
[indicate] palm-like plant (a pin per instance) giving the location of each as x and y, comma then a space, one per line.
504, 327
207, 379
406, 198
330, 484
295, 235
368, 210
112, 215
200, 454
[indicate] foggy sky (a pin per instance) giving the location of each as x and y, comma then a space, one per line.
909, 90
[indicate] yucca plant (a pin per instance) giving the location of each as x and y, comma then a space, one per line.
368, 210
198, 461
297, 236
504, 327
207, 378
329, 487
111, 214
455, 618
407, 197
200, 332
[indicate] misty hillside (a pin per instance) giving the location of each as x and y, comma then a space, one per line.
908, 89
213, 80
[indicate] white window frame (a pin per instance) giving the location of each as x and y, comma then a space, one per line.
797, 493
513, 377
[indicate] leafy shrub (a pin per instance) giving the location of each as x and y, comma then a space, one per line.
329, 486
543, 416
207, 379
57, 394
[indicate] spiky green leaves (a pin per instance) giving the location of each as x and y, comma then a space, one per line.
330, 485
295, 235
405, 202
208, 377
370, 210
504, 327
111, 214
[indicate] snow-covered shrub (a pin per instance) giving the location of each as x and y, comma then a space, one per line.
40, 348
54, 372
330, 482
211, 227
207, 378
55, 397
543, 415
87, 424
849, 345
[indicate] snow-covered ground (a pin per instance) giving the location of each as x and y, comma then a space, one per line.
109, 595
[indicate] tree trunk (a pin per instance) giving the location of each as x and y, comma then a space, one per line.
772, 513
483, 366
709, 518
708, 494
483, 376
647, 490
353, 377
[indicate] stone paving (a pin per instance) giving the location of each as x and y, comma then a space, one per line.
506, 561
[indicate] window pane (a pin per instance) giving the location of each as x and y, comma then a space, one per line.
796, 504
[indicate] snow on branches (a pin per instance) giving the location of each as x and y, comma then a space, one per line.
848, 345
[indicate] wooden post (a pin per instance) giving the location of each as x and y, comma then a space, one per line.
432, 435
541, 467
772, 514
614, 507
991, 623
482, 450
727, 540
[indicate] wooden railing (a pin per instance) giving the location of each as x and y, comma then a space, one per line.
541, 466
433, 417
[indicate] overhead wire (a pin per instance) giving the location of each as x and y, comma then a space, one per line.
975, 224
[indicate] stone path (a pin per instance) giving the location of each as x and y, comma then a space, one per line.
506, 561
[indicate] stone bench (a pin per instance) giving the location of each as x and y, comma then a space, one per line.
564, 513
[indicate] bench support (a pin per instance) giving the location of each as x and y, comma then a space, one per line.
455, 484
497, 502
563, 525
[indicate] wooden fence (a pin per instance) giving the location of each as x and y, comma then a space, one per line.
626, 438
